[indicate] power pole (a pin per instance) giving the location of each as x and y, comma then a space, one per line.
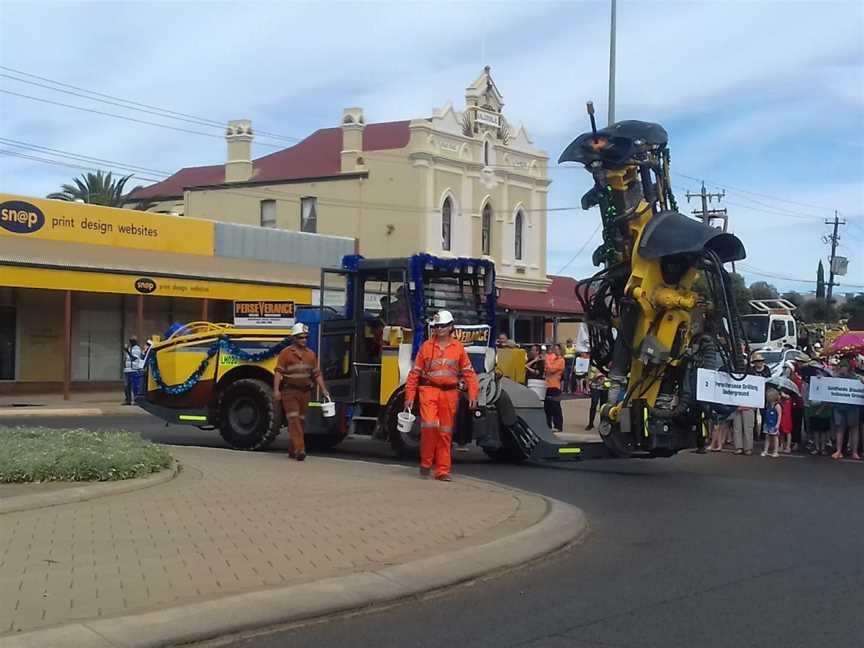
833, 238
612, 37
706, 214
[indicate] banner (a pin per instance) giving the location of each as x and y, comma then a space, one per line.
846, 391
278, 314
581, 366
720, 387
471, 335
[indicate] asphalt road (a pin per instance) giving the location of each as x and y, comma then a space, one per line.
698, 550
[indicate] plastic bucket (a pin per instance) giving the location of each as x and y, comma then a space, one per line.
405, 421
538, 387
328, 409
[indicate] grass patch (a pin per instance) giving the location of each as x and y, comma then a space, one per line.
37, 454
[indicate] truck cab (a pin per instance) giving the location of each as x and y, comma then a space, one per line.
772, 325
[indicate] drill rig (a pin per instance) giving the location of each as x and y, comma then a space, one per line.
645, 320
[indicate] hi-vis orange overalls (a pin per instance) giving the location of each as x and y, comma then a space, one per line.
437, 372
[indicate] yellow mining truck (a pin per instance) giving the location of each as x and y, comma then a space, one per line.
370, 322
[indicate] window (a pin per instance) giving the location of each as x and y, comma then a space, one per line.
268, 213
446, 223
518, 235
486, 231
790, 328
778, 329
486, 153
309, 215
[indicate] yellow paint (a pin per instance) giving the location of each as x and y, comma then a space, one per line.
104, 282
389, 375
95, 225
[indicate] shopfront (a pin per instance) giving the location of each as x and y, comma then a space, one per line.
77, 281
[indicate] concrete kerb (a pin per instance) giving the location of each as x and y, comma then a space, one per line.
562, 525
86, 492
66, 412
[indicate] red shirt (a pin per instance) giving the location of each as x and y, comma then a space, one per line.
786, 416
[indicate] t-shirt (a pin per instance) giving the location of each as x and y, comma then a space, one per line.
786, 418
554, 371
769, 423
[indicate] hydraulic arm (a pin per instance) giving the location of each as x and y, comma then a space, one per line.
640, 307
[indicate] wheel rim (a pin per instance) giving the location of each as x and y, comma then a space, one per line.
243, 416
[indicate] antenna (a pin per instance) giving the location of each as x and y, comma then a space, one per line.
590, 107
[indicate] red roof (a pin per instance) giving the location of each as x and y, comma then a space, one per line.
318, 155
560, 298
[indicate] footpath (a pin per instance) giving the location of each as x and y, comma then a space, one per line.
240, 540
53, 405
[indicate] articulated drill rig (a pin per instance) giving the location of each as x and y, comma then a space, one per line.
646, 323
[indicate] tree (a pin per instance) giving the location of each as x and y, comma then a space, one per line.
740, 293
820, 281
818, 310
762, 290
853, 308
96, 189
794, 297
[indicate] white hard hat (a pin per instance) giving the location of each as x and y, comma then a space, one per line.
442, 317
299, 329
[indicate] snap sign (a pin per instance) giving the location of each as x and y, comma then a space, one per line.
21, 217
719, 387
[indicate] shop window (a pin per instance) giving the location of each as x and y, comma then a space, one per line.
309, 215
97, 343
268, 213
486, 231
7, 343
446, 223
517, 241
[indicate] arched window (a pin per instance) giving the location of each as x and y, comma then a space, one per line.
517, 241
446, 223
486, 153
486, 231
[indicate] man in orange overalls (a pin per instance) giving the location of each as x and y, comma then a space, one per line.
296, 372
440, 363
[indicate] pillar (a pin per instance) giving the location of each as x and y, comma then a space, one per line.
67, 344
511, 325
205, 303
139, 319
555, 329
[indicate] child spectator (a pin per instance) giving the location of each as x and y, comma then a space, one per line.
771, 423
786, 423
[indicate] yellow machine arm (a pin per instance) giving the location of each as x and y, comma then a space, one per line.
640, 306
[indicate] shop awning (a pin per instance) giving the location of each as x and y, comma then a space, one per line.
559, 300
59, 265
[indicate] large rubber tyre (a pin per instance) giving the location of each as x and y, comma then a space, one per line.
404, 445
509, 452
249, 417
322, 442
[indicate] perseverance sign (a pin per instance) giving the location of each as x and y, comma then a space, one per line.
720, 387
848, 391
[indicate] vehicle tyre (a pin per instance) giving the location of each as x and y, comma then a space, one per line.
249, 417
510, 451
406, 446
322, 442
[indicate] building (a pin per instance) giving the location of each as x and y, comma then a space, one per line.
76, 281
457, 183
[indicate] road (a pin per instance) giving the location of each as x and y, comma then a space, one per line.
698, 550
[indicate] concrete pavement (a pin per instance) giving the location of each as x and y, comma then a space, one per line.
53, 405
239, 540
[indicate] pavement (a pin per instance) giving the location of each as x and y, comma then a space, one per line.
53, 405
240, 540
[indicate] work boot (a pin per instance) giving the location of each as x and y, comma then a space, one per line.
425, 472
589, 427
444, 478
292, 454
300, 456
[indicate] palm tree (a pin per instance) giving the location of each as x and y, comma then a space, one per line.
95, 188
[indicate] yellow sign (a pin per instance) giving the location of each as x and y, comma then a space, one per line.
152, 285
57, 220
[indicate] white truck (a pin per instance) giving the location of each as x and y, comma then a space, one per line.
772, 325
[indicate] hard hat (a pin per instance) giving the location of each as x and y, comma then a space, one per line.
299, 329
757, 357
442, 317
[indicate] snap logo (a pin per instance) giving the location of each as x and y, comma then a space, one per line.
21, 217
145, 285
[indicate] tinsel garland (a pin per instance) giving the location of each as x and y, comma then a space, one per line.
350, 262
222, 343
418, 263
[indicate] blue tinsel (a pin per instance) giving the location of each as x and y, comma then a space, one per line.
415, 272
222, 343
350, 262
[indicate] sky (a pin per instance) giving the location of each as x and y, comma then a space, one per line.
763, 99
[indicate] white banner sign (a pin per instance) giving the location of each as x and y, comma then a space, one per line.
581, 366
278, 314
849, 391
719, 387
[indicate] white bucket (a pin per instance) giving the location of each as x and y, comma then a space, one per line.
405, 421
538, 387
328, 409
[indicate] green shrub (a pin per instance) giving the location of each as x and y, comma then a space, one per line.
50, 454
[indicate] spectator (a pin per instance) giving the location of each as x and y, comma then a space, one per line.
599, 386
569, 359
771, 422
534, 366
790, 371
786, 423
846, 418
501, 342
132, 365
554, 367
757, 361
818, 417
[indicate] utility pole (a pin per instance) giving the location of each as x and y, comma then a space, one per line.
612, 37
833, 238
707, 214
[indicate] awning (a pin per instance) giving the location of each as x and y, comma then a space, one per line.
59, 265
559, 300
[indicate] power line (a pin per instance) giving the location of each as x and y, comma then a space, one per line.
723, 185
59, 163
763, 210
581, 249
773, 275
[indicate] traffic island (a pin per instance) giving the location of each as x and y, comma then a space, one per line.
245, 540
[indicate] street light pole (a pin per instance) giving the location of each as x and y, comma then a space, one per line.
612, 67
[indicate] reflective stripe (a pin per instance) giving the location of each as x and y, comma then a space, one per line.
429, 424
442, 373
293, 414
446, 428
443, 361
301, 417
305, 374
